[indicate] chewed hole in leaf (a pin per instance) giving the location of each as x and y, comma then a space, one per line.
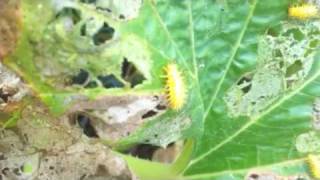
245, 83
72, 13
4, 96
84, 79
88, 1
294, 68
143, 151
104, 9
121, 16
85, 123
296, 33
130, 73
104, 34
83, 30
110, 81
92, 84
161, 107
157, 153
314, 43
274, 31
278, 53
149, 114
81, 78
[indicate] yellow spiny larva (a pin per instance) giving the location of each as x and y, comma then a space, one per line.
175, 87
314, 165
304, 11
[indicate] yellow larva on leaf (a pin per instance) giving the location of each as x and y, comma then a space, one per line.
314, 165
175, 87
304, 11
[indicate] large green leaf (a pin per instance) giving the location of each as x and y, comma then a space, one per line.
52, 51
256, 70
223, 41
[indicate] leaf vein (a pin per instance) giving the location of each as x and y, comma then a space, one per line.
258, 117
192, 40
167, 32
230, 60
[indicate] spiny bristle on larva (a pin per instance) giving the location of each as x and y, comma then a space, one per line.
175, 87
314, 165
304, 11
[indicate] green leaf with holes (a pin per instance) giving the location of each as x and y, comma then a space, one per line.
258, 72
82, 61
254, 70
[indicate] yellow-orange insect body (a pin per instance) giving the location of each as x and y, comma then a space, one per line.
314, 165
175, 87
304, 11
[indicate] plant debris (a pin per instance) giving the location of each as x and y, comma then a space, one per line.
112, 117
12, 89
43, 148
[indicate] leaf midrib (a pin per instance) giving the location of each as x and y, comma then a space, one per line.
230, 60
192, 41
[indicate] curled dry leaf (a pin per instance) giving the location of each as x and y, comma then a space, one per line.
113, 118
